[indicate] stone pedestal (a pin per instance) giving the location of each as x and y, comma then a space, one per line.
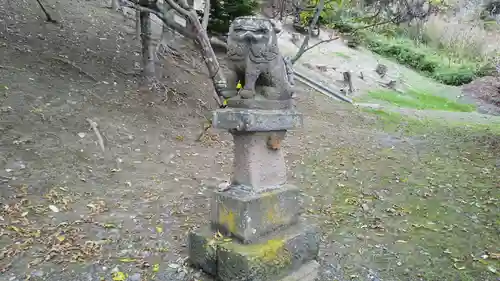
256, 233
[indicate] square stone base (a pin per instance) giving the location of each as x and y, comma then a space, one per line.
278, 257
248, 216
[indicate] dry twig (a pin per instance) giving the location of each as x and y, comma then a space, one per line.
96, 131
66, 61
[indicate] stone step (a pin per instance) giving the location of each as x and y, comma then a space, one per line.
282, 255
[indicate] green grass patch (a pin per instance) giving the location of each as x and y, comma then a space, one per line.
420, 100
342, 55
395, 122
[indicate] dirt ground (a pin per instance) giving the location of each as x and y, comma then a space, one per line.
73, 212
486, 91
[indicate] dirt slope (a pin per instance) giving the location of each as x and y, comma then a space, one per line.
72, 212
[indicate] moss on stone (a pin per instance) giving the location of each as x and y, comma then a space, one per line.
270, 253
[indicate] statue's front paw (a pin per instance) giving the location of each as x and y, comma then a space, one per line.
227, 93
246, 94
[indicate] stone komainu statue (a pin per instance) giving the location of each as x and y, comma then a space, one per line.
255, 60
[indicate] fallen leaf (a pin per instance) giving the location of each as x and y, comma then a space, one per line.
14, 228
174, 265
159, 229
119, 276
54, 208
156, 267
352, 201
495, 256
483, 261
127, 260
458, 267
218, 235
492, 269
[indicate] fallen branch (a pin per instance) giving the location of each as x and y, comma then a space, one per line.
96, 131
47, 15
11, 67
66, 61
205, 127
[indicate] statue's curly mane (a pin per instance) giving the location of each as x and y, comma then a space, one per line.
259, 52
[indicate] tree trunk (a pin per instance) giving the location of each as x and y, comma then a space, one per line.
148, 63
115, 5
138, 24
196, 31
163, 45
206, 15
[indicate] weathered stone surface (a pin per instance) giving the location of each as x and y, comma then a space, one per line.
202, 253
255, 165
253, 56
248, 216
256, 120
307, 272
273, 259
238, 102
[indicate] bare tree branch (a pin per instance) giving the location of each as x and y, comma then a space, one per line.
305, 43
47, 15
199, 34
319, 8
140, 8
321, 42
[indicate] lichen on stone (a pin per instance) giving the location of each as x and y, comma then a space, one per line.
227, 218
272, 252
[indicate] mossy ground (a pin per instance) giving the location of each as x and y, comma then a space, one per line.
423, 206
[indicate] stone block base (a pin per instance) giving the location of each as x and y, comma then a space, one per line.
307, 272
284, 255
248, 216
203, 249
